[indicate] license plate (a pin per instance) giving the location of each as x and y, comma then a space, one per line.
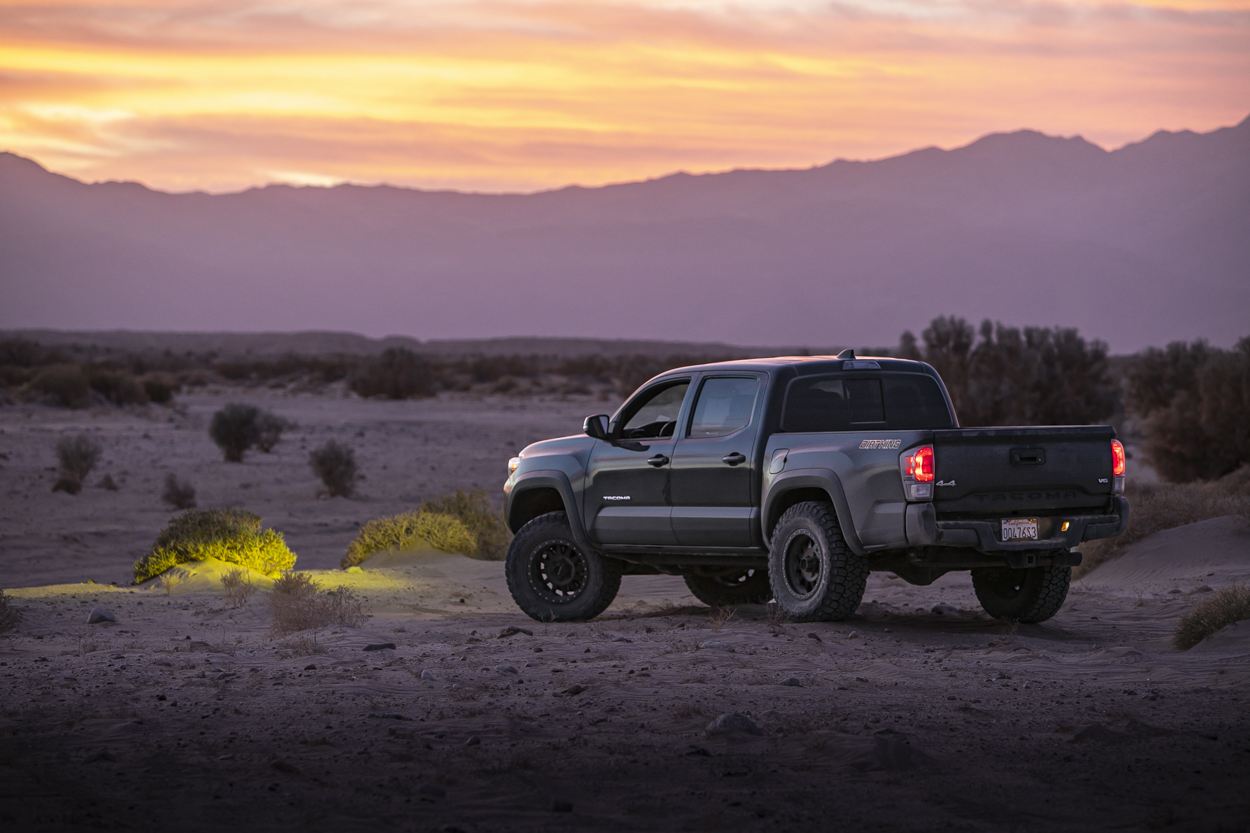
1019, 529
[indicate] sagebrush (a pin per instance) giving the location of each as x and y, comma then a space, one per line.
335, 467
298, 604
77, 457
462, 522
1232, 604
269, 428
234, 429
239, 586
9, 617
62, 384
177, 493
1154, 507
396, 374
231, 535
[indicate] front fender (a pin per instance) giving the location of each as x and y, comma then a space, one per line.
814, 478
549, 479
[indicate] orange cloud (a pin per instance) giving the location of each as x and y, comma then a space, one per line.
515, 95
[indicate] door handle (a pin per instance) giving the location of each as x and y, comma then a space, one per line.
734, 459
657, 461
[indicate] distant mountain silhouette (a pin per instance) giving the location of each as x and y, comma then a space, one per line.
1138, 246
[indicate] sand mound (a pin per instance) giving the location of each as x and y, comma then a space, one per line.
420, 555
203, 577
1214, 552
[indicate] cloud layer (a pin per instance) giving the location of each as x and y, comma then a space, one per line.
514, 95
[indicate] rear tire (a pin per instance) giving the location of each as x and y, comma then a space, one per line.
552, 579
1032, 595
742, 587
814, 575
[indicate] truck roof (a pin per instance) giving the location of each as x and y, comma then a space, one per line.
805, 365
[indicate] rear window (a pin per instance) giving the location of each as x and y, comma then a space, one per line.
905, 401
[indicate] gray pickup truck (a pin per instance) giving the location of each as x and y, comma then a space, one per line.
791, 479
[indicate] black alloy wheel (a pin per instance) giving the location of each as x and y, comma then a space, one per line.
553, 579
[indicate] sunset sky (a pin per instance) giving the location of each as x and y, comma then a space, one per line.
520, 95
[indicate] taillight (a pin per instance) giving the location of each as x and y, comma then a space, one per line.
1117, 458
920, 465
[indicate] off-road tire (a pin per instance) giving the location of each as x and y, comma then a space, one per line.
1032, 595
745, 587
815, 577
552, 579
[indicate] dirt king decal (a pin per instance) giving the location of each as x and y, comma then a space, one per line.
888, 445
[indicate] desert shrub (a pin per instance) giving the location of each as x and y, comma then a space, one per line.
9, 617
159, 391
238, 586
492, 368
406, 531
269, 428
1193, 399
298, 604
117, 386
335, 466
480, 517
229, 534
1232, 604
177, 493
396, 374
15, 376
1034, 376
62, 384
77, 456
1155, 507
20, 352
462, 522
234, 429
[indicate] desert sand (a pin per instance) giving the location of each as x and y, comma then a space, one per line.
918, 713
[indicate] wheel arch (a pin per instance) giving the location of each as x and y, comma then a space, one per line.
539, 492
818, 485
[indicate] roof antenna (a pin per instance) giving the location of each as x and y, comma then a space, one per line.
848, 353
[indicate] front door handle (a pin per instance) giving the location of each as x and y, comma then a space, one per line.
734, 459
657, 461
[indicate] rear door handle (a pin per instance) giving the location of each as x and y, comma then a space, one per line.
734, 459
657, 461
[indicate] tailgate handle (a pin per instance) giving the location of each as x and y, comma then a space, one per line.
1028, 456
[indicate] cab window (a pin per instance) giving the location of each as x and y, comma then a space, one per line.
890, 402
654, 412
724, 406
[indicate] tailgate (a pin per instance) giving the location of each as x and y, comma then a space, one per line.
1006, 471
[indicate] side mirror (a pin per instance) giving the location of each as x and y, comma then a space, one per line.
596, 426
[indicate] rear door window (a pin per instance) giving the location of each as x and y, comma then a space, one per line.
724, 406
904, 401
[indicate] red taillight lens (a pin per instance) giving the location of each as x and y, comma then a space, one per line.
920, 465
1117, 458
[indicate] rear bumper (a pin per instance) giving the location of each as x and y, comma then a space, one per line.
924, 529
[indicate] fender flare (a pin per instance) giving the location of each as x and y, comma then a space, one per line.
826, 480
558, 480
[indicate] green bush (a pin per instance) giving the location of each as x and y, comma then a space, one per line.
408, 531
396, 374
1034, 376
463, 522
234, 429
117, 386
62, 384
479, 516
335, 466
230, 535
1232, 604
77, 457
1194, 399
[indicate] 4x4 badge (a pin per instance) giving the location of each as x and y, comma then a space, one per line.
946, 483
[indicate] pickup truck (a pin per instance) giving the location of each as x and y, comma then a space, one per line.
790, 479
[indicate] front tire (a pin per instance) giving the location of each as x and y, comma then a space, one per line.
1032, 595
740, 587
814, 575
552, 579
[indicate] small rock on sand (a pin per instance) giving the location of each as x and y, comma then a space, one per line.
513, 630
381, 646
793, 681
733, 724
427, 674
715, 646
99, 615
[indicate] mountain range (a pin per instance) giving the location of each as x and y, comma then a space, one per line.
1141, 245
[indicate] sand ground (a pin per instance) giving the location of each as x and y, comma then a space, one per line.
918, 713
